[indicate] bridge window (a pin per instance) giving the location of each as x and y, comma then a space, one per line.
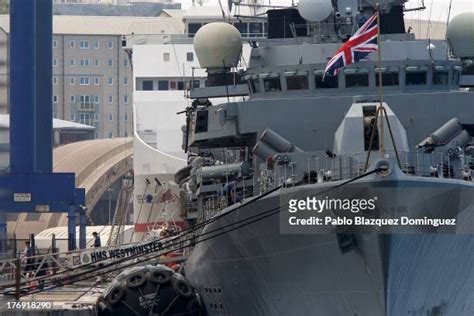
440, 76
296, 81
242, 27
329, 82
390, 77
356, 78
255, 86
256, 29
416, 75
272, 84
32, 216
457, 75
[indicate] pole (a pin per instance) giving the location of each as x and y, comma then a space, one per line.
17, 278
82, 228
110, 205
380, 110
71, 227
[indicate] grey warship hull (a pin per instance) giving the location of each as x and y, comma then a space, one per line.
256, 270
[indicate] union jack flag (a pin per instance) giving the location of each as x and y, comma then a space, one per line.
359, 46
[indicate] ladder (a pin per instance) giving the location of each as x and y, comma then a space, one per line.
120, 215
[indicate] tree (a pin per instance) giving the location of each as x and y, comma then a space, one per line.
4, 5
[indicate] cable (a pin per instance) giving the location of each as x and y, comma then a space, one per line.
182, 234
254, 218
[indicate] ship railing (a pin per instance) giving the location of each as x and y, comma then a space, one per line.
346, 167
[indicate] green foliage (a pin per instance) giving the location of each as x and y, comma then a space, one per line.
4, 5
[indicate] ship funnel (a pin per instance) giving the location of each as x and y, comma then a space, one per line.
218, 46
461, 35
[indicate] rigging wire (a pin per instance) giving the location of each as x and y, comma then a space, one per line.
253, 219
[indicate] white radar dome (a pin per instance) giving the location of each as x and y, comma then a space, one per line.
315, 10
461, 35
218, 45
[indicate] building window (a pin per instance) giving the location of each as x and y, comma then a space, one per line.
125, 81
110, 63
72, 44
389, 78
55, 80
110, 81
96, 99
297, 82
125, 99
147, 85
96, 45
72, 117
84, 44
190, 56
72, 99
97, 117
440, 77
110, 99
72, 62
84, 81
125, 62
357, 80
125, 134
55, 43
97, 81
166, 56
55, 99
163, 85
111, 134
110, 117
72, 81
272, 84
85, 62
55, 62
110, 45
85, 99
125, 117
97, 62
193, 28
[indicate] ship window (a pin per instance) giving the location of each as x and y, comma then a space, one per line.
440, 77
297, 82
415, 78
162, 84
193, 28
357, 80
147, 85
456, 76
32, 216
330, 82
272, 84
242, 27
190, 56
180, 85
255, 86
388, 79
166, 56
256, 29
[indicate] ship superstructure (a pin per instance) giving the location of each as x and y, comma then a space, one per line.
298, 134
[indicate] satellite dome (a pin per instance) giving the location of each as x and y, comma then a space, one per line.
461, 35
218, 45
315, 10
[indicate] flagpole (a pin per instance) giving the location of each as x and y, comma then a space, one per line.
380, 110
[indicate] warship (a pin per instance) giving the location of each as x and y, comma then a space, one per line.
396, 129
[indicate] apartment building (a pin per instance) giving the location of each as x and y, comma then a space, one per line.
92, 74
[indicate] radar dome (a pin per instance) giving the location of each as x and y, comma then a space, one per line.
218, 45
315, 10
461, 35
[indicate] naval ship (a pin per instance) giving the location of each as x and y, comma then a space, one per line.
299, 133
